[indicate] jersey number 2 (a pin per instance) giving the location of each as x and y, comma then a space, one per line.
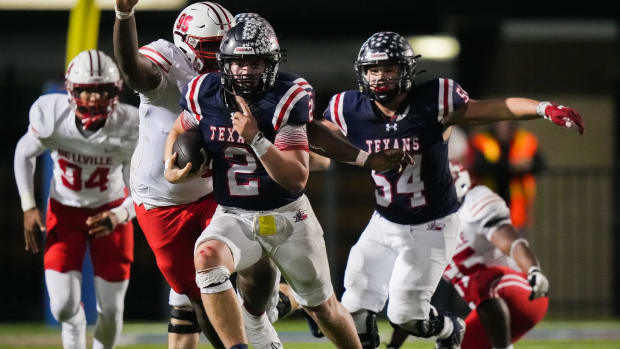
242, 162
408, 183
99, 177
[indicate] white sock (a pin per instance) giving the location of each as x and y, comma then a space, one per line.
64, 290
110, 306
448, 327
508, 347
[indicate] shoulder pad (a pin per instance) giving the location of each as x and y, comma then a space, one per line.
199, 86
482, 204
43, 114
293, 104
160, 52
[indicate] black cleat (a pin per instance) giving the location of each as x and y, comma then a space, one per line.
456, 337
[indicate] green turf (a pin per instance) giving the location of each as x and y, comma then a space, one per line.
38, 336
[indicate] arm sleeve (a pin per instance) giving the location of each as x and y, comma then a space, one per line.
450, 97
26, 152
334, 113
292, 137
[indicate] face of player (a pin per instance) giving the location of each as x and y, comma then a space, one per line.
383, 77
247, 72
94, 101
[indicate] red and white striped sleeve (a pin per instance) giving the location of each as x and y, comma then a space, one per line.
292, 137
190, 102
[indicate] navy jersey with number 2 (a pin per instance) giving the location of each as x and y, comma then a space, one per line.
239, 178
421, 192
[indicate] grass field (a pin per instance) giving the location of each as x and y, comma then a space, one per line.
562, 334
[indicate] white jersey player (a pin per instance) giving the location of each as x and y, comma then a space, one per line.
90, 136
172, 216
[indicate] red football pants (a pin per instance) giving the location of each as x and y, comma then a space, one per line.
514, 289
67, 237
171, 232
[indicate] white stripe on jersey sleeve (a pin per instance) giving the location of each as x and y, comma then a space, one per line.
191, 97
286, 104
303, 83
156, 57
335, 106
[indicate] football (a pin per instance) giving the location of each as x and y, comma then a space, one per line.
190, 147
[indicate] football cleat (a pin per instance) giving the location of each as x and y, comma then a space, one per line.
456, 337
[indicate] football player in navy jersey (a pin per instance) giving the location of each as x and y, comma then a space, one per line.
255, 127
414, 228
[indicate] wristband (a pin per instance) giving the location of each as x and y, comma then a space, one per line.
121, 213
515, 243
123, 15
361, 158
540, 109
260, 144
28, 202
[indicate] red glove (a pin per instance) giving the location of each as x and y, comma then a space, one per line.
560, 115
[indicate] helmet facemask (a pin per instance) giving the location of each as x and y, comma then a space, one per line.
93, 83
380, 90
248, 85
204, 52
93, 102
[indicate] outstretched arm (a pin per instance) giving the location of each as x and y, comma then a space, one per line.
140, 73
326, 139
513, 108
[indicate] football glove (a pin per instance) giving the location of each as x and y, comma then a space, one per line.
539, 283
560, 115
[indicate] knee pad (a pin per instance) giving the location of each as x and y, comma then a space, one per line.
213, 280
424, 328
366, 326
185, 314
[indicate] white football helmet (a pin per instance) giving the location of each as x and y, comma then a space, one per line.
198, 31
93, 72
462, 180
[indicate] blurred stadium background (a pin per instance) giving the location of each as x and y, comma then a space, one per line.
544, 50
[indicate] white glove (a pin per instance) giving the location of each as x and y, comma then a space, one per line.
539, 283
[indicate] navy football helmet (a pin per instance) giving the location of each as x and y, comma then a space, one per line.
386, 47
246, 16
249, 39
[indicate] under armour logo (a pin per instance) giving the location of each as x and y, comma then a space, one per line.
391, 127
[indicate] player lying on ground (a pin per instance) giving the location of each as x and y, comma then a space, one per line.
494, 270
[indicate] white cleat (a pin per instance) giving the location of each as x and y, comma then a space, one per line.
261, 333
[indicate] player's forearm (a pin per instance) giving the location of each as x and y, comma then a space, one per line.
24, 165
137, 71
330, 142
288, 168
175, 131
318, 162
507, 240
492, 110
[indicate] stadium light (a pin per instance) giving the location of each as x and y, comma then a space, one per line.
437, 47
103, 4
